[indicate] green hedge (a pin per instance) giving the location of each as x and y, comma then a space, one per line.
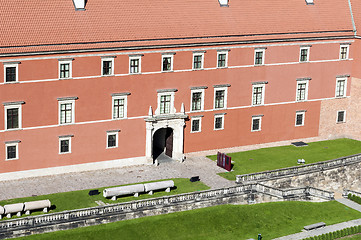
337, 234
354, 198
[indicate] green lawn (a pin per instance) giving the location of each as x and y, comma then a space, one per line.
81, 199
221, 222
286, 156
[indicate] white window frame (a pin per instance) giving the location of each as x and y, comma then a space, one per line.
347, 51
263, 85
114, 132
111, 59
308, 54
260, 123
8, 65
10, 144
171, 62
226, 60
72, 102
139, 58
202, 99
214, 122
125, 98
11, 106
302, 113
263, 51
70, 62
202, 60
172, 110
225, 97
344, 116
306, 91
345, 87
200, 124
65, 138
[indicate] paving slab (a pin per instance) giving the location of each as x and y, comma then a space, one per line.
200, 166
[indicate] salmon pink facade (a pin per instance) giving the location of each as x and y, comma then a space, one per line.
118, 83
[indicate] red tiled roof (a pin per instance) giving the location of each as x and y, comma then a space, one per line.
30, 25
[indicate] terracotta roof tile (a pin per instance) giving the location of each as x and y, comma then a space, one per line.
35, 23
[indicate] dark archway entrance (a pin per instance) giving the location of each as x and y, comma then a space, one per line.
163, 144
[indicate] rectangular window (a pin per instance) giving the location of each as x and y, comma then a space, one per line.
12, 115
12, 152
304, 54
341, 87
301, 91
12, 118
222, 59
167, 63
67, 110
197, 101
165, 101
218, 122
259, 56
196, 124
198, 60
134, 65
344, 51
300, 117
11, 73
64, 145
118, 107
341, 116
64, 70
256, 123
219, 99
107, 66
112, 139
257, 95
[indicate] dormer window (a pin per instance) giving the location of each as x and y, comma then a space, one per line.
223, 3
79, 5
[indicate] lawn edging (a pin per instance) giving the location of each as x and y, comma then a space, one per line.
299, 170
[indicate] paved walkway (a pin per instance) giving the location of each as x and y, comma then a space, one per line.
327, 229
200, 166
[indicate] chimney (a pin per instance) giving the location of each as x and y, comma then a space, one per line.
79, 5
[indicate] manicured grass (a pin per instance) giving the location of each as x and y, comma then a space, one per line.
286, 156
221, 222
81, 199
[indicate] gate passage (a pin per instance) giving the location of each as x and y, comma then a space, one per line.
224, 161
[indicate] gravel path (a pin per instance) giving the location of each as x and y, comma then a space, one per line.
194, 166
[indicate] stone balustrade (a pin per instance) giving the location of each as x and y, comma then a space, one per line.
298, 170
160, 202
346, 192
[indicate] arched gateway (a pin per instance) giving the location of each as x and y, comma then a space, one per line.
165, 134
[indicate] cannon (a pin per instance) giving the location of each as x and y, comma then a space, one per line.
123, 190
13, 208
41, 204
150, 187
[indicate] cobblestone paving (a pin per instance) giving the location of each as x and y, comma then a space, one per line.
194, 166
